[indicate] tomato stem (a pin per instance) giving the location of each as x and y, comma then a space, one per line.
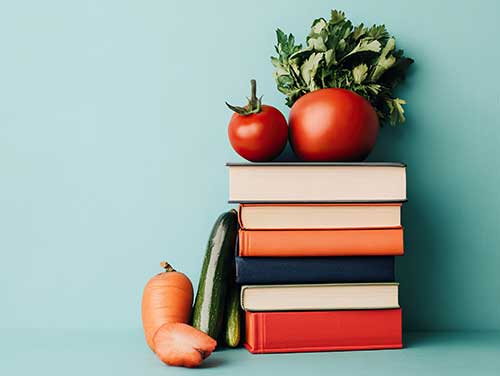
253, 95
254, 105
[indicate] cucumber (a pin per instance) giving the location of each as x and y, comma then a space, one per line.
208, 310
232, 328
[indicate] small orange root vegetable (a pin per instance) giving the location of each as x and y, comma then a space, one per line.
166, 309
167, 298
182, 345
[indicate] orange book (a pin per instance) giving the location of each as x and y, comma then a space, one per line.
308, 243
278, 332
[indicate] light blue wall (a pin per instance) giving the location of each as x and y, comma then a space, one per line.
113, 144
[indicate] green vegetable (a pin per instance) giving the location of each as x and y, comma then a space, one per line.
233, 317
208, 311
340, 55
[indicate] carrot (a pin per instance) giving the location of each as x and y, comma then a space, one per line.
166, 309
182, 345
167, 298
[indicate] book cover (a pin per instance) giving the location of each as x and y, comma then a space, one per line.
312, 243
318, 216
279, 332
316, 182
295, 270
315, 297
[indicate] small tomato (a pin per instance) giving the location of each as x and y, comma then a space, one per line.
257, 132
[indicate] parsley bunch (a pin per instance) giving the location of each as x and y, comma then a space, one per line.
340, 55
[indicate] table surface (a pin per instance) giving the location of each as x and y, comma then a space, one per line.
71, 352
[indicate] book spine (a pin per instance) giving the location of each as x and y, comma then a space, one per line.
243, 243
324, 331
299, 270
240, 220
315, 243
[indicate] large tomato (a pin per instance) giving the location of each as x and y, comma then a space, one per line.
257, 132
333, 125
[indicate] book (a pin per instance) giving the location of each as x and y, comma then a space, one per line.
278, 332
313, 297
309, 243
316, 182
298, 270
318, 216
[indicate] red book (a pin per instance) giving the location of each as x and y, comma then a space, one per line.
309, 243
275, 332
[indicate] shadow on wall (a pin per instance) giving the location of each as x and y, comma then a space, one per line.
287, 155
419, 270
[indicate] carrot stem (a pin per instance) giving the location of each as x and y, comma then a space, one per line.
168, 268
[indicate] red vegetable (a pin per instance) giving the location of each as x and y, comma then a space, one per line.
333, 125
257, 132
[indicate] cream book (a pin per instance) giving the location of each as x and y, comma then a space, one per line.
319, 216
316, 297
316, 182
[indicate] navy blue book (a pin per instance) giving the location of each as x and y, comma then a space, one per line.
284, 270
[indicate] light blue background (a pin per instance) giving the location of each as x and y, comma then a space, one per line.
113, 144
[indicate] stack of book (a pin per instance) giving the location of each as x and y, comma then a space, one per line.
315, 254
